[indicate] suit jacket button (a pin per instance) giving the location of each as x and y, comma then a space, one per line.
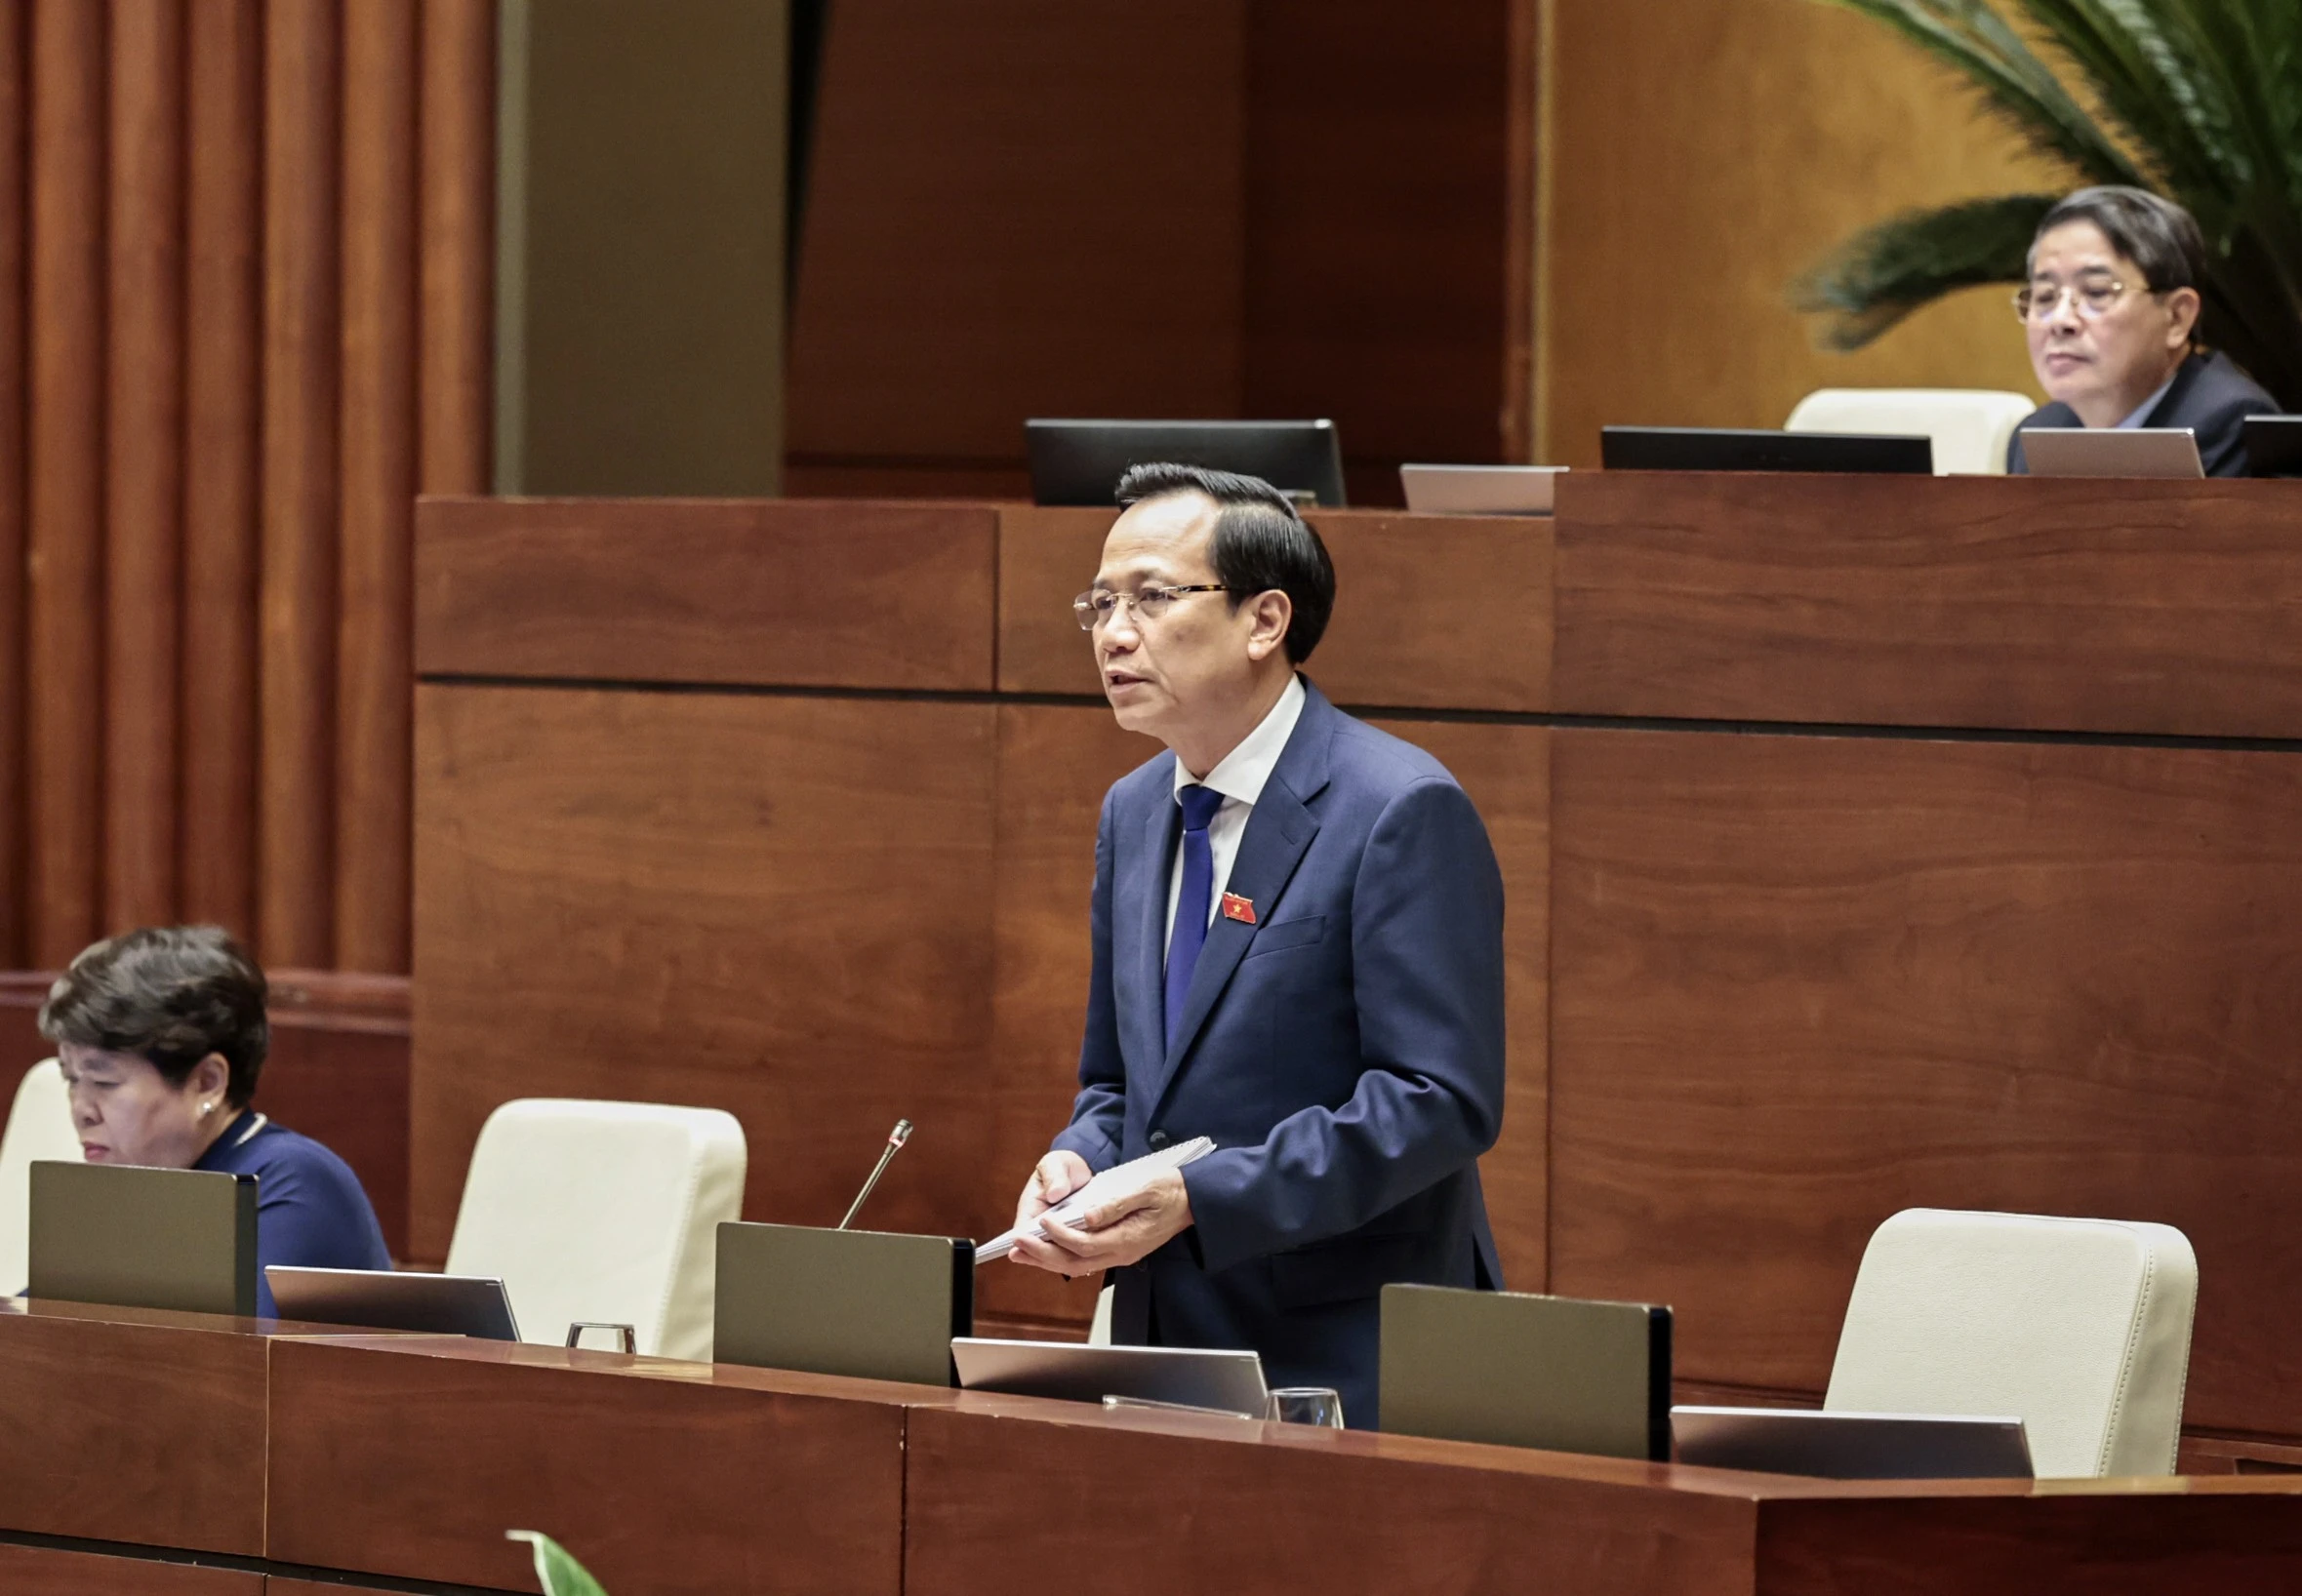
1159, 1139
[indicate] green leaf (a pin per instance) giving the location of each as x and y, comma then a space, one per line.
558, 1573
1884, 273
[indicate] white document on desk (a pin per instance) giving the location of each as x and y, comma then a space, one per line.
1116, 1182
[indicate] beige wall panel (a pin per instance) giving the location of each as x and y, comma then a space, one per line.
1704, 152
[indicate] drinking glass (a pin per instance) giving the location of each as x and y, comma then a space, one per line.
1306, 1405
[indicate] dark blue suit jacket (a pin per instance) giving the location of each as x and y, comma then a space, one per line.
1344, 1052
2210, 396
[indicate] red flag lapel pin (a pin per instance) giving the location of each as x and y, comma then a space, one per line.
1235, 907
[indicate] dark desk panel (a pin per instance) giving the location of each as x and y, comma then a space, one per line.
1216, 1504
1431, 612
2161, 607
411, 1459
780, 906
779, 592
42, 1571
1803, 982
131, 1425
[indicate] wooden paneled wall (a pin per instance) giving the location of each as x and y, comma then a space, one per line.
1702, 153
1468, 230
1867, 845
1196, 207
244, 292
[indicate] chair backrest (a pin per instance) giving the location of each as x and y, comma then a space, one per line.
2081, 1327
39, 1127
605, 1211
1970, 427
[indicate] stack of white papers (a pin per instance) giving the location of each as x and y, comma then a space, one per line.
1116, 1182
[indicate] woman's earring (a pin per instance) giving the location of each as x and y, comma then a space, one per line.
208, 1107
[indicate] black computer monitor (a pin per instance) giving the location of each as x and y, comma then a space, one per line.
1730, 449
1081, 462
2273, 446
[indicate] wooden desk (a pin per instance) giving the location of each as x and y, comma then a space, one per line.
124, 1424
411, 1459
1868, 844
1213, 1504
401, 1460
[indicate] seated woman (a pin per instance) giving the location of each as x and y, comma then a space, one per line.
161, 1034
2111, 311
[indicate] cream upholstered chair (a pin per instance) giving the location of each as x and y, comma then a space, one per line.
1970, 427
604, 1212
39, 1127
2079, 1327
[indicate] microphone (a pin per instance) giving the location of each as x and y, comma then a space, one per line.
895, 1142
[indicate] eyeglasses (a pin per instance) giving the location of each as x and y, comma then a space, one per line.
1099, 605
2093, 296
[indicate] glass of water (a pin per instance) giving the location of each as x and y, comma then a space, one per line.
1306, 1405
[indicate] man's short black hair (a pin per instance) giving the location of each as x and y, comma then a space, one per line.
2158, 235
171, 995
1260, 543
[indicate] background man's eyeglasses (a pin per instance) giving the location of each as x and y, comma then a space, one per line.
2095, 297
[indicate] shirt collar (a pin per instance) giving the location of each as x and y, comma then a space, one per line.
1242, 773
2142, 411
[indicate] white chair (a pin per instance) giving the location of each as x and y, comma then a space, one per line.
39, 1127
2079, 1327
602, 1211
1970, 427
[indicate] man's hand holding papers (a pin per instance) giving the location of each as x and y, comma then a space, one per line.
1072, 1222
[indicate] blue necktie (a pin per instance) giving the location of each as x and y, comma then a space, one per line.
1190, 935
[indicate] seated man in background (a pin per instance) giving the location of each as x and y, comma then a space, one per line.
160, 1034
2111, 311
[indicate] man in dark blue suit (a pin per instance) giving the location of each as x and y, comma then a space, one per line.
1298, 951
2111, 311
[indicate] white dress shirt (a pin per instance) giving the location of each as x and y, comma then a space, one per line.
1239, 776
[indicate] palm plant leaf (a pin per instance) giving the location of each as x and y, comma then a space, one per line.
2200, 99
1884, 273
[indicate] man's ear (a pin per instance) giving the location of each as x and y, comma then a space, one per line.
1271, 611
2182, 311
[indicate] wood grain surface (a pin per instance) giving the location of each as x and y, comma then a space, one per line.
377, 433
2097, 1539
64, 464
771, 592
45, 1570
15, 253
295, 832
2145, 606
663, 1478
1430, 613
132, 1427
978, 245
144, 442
777, 906
1800, 983
1234, 1511
455, 245
223, 414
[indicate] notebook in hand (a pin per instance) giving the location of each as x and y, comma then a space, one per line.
1115, 1182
